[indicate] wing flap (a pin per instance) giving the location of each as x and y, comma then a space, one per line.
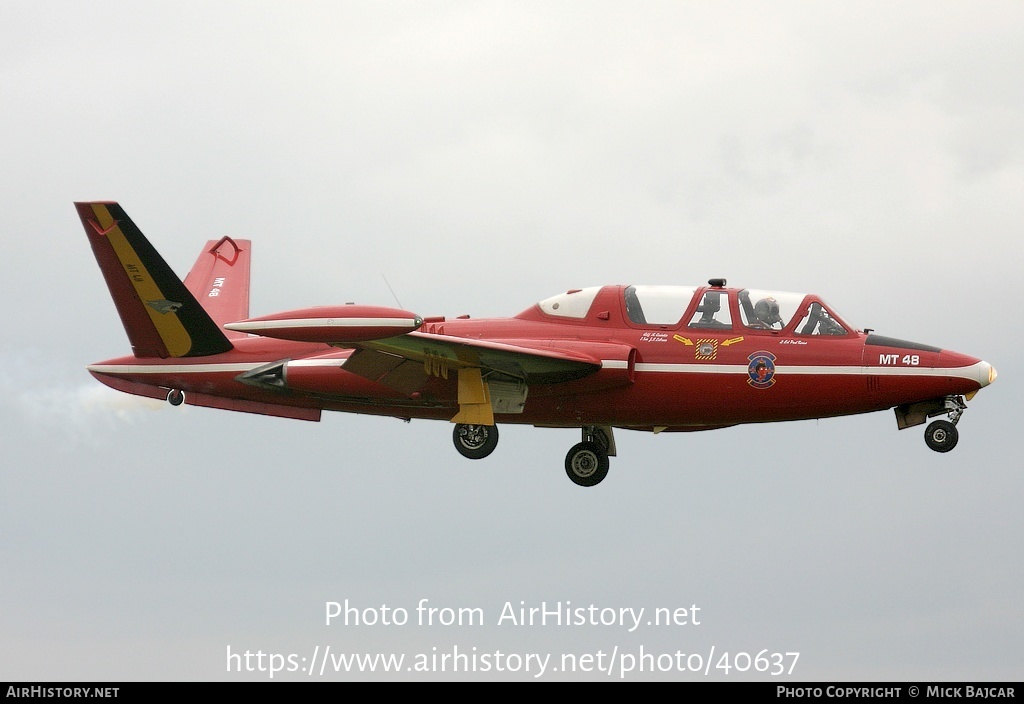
395, 372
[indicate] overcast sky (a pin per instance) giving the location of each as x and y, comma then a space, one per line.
483, 156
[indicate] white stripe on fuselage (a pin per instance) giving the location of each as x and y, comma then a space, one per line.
173, 368
334, 362
969, 372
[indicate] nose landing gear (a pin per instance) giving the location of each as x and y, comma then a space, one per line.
942, 435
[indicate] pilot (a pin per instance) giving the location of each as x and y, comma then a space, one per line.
766, 313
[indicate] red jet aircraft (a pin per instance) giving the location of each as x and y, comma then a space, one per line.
654, 358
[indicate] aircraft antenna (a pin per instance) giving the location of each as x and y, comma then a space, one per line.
392, 290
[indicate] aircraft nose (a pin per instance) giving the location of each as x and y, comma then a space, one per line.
986, 373
972, 368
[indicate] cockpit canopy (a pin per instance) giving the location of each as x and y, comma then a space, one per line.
571, 304
716, 308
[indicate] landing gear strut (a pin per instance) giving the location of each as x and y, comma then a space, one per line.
587, 462
475, 441
942, 435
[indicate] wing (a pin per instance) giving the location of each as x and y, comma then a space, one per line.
492, 375
405, 362
440, 353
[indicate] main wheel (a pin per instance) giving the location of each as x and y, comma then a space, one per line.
175, 397
941, 436
586, 464
475, 441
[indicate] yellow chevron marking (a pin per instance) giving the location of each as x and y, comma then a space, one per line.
684, 340
168, 326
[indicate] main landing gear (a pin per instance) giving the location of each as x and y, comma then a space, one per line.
942, 435
586, 464
475, 441
587, 461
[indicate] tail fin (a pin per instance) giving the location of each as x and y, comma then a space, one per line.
160, 315
220, 281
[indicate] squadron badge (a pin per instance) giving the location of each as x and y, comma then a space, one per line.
761, 370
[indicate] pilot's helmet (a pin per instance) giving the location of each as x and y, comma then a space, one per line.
767, 311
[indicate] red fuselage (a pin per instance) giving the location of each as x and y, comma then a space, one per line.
678, 376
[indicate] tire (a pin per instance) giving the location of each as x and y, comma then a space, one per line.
941, 436
475, 441
175, 397
586, 464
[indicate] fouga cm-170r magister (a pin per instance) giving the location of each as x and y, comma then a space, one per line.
654, 358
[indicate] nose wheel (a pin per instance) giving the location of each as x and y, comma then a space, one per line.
942, 435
